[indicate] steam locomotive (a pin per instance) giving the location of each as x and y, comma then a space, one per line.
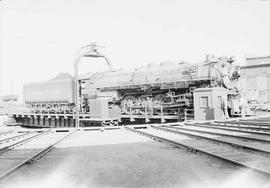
152, 87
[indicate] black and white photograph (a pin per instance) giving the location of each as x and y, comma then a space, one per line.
135, 93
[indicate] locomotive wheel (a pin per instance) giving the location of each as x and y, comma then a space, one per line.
127, 102
142, 101
160, 99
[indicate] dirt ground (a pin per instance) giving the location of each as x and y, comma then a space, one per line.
86, 160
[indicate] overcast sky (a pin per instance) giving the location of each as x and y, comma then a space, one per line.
38, 38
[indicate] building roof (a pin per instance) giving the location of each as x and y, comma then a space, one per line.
258, 57
255, 66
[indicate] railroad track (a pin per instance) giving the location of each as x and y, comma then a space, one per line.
9, 139
252, 145
5, 133
239, 128
266, 120
33, 156
31, 135
253, 123
228, 128
230, 153
249, 136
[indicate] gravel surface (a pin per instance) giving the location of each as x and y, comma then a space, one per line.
118, 158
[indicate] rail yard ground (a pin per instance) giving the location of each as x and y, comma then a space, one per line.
123, 158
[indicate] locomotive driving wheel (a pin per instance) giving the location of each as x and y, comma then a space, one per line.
158, 101
128, 102
144, 102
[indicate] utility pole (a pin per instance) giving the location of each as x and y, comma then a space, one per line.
76, 85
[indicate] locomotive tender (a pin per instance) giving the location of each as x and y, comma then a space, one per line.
52, 96
154, 89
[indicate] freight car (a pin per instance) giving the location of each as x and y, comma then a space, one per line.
54, 96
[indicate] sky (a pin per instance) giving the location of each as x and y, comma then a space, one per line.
38, 39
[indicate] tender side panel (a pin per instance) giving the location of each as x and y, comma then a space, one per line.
54, 91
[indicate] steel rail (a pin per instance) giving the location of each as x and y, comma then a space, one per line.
195, 149
227, 128
35, 157
253, 127
213, 139
3, 133
6, 148
244, 123
261, 120
222, 134
14, 137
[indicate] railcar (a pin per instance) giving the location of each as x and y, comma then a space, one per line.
54, 96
